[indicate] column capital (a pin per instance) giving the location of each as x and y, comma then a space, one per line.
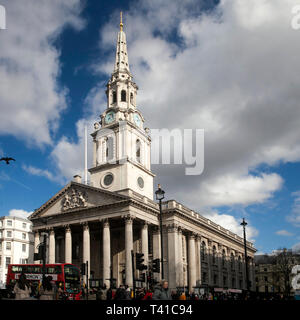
51, 231
67, 227
192, 235
172, 227
145, 224
105, 223
84, 225
156, 229
128, 218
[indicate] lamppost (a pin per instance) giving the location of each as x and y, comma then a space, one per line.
244, 223
160, 195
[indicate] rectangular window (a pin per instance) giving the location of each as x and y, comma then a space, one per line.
24, 247
24, 225
24, 236
9, 223
8, 234
7, 261
0, 234
8, 245
0, 246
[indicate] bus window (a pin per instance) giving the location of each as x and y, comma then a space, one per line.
72, 279
16, 269
54, 270
34, 269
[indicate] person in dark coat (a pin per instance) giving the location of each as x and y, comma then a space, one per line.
162, 292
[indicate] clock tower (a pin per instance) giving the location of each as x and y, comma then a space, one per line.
121, 143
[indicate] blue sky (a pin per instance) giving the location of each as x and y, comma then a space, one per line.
229, 67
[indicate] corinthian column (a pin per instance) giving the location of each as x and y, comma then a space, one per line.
144, 237
36, 244
192, 262
86, 246
52, 246
106, 253
180, 259
128, 249
68, 245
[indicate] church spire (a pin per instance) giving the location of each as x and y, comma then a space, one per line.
121, 63
121, 22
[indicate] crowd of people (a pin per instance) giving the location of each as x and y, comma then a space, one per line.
49, 290
45, 290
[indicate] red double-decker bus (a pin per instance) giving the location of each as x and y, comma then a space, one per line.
65, 273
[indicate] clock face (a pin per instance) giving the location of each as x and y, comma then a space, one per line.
137, 119
110, 117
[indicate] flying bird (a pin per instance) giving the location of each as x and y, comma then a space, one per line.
7, 160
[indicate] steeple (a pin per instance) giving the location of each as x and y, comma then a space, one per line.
121, 63
122, 145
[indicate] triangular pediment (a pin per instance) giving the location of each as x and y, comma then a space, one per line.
76, 196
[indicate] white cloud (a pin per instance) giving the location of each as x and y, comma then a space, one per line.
19, 213
42, 173
284, 233
296, 247
231, 223
30, 99
294, 216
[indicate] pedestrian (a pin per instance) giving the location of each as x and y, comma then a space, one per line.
182, 296
103, 292
109, 294
47, 290
22, 288
127, 293
60, 292
162, 292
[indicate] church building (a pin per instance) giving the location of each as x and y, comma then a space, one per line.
103, 221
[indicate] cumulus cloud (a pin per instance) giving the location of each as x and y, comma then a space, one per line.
294, 216
231, 223
42, 173
296, 248
20, 213
30, 100
284, 233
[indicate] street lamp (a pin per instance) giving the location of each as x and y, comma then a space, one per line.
244, 223
160, 195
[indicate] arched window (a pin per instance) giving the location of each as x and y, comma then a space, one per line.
109, 148
114, 96
138, 150
223, 257
123, 95
240, 263
203, 251
214, 254
232, 260
224, 281
131, 98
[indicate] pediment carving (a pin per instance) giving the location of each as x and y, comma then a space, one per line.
74, 199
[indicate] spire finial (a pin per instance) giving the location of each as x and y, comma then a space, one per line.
121, 22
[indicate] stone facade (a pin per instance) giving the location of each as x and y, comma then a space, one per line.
104, 221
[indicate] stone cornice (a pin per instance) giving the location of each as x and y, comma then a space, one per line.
208, 227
